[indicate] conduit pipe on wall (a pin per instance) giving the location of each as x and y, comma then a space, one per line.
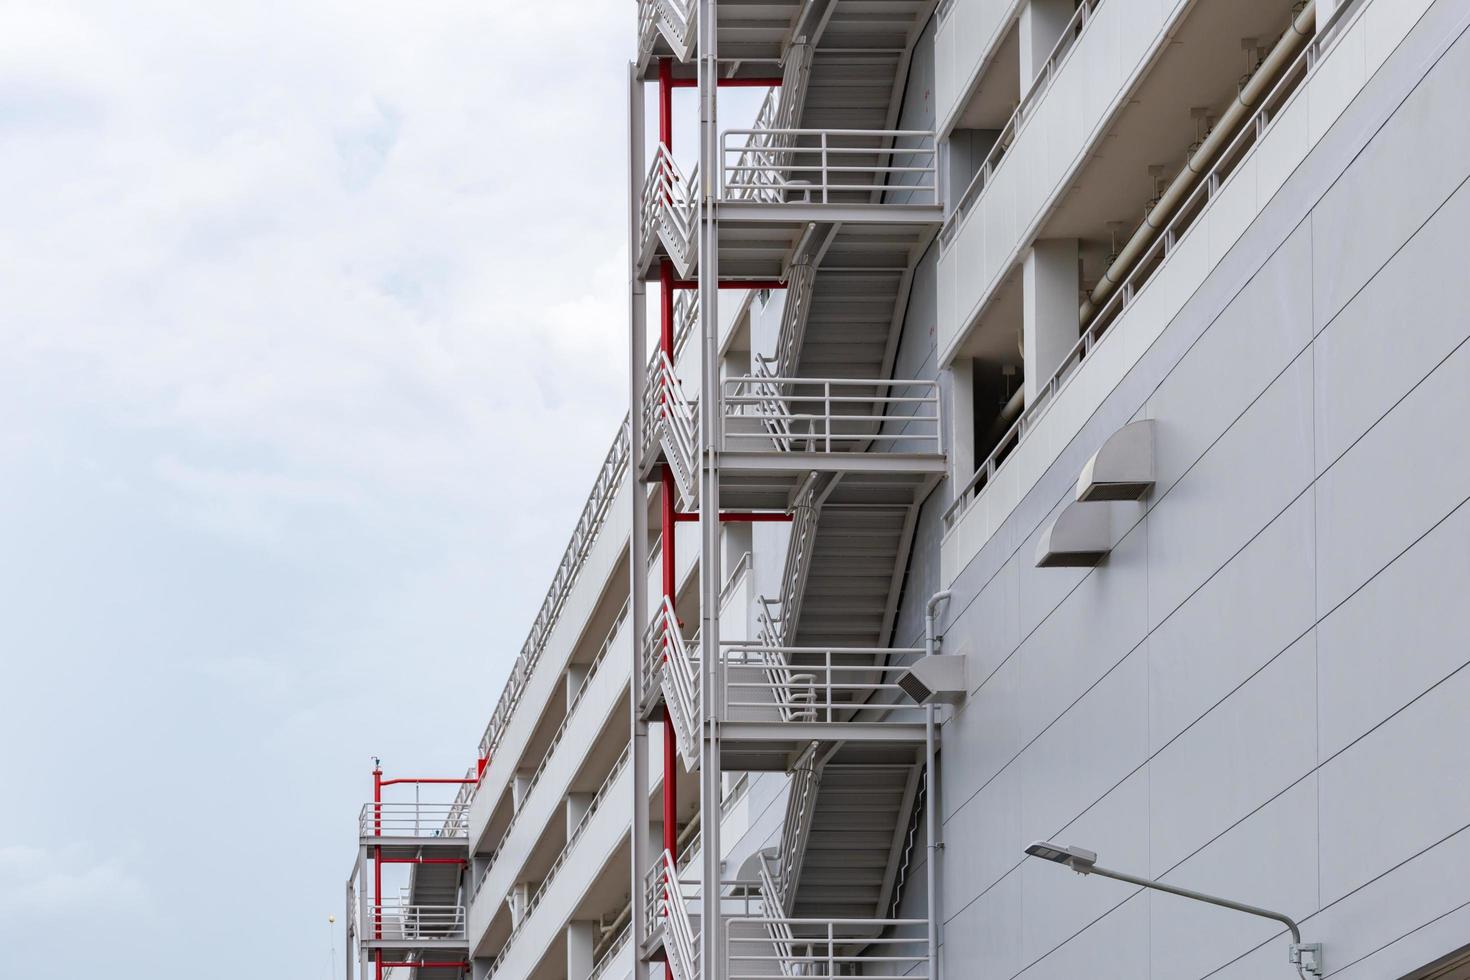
1286, 49
931, 791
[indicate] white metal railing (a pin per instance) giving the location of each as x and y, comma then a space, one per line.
606, 959
794, 414
399, 921
681, 942
676, 20
779, 932
826, 948
670, 210
413, 820
811, 685
1185, 217
592, 674
796, 827
800, 282
773, 629
459, 809
775, 121
678, 674
584, 536
829, 166
1071, 34
593, 808
672, 419
594, 515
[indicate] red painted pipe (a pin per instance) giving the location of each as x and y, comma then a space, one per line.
666, 102
427, 781
423, 860
734, 284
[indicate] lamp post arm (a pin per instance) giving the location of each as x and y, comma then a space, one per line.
1286, 920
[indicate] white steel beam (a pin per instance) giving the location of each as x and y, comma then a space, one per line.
712, 956
640, 845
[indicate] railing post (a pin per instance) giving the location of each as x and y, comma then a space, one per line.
827, 410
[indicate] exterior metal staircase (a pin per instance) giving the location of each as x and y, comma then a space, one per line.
667, 27
669, 214
671, 421
859, 820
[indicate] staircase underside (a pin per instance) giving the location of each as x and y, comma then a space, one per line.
864, 528
859, 296
864, 802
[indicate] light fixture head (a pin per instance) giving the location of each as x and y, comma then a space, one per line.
1079, 859
934, 679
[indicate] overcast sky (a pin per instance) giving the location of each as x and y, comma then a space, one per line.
313, 323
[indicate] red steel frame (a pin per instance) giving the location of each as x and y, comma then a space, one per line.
668, 282
378, 860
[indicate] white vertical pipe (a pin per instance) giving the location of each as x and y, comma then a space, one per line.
931, 793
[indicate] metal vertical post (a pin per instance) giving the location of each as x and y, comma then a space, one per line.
710, 166
638, 542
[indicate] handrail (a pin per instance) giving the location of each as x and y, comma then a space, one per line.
825, 947
799, 414
584, 535
843, 163
777, 115
812, 685
676, 21
576, 835
605, 960
772, 629
670, 209
421, 820
671, 418
778, 931
592, 673
800, 282
681, 944
1253, 129
1011, 130
796, 826
399, 921
680, 682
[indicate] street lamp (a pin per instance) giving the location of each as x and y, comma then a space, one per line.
1306, 957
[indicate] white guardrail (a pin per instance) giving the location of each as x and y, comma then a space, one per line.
393, 921
1252, 131
793, 414
812, 685
413, 820
829, 166
1013, 126
825, 948
589, 524
587, 682
593, 808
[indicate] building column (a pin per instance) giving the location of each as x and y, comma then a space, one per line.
576, 676
520, 788
581, 943
1039, 27
577, 806
961, 421
1049, 327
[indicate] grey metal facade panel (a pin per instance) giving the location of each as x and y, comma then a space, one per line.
1261, 692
